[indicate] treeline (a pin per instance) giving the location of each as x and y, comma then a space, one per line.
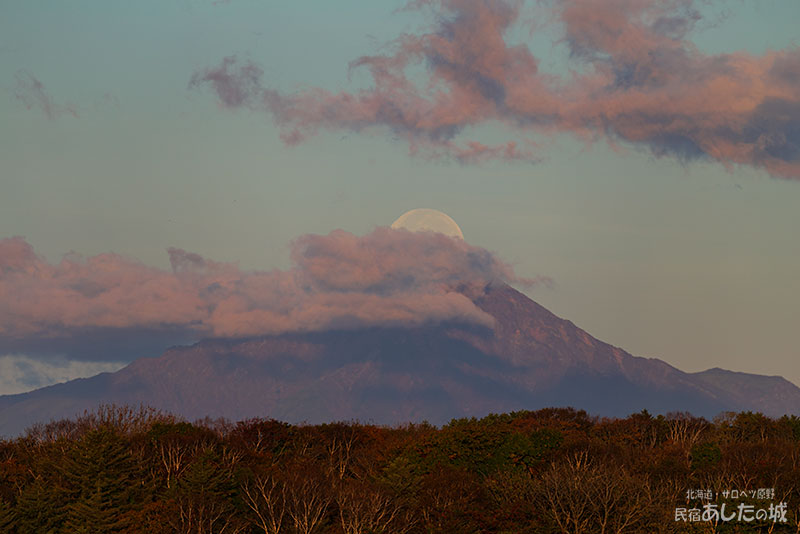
124, 470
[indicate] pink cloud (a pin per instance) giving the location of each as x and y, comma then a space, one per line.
636, 78
385, 278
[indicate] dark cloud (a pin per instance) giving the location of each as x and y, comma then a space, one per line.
97, 344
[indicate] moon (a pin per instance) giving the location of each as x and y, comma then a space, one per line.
428, 220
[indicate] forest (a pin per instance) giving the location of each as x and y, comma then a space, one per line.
125, 469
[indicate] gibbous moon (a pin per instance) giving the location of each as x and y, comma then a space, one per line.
427, 220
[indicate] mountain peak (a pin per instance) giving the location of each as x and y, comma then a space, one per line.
528, 359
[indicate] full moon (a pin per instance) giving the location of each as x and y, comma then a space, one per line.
427, 220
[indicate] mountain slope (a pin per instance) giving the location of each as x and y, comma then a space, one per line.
530, 359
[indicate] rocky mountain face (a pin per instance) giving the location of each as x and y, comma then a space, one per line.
529, 360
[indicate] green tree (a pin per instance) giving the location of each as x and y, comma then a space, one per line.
705, 455
103, 479
6, 517
791, 425
41, 508
484, 446
204, 498
95, 513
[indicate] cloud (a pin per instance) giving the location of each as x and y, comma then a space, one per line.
31, 92
340, 280
635, 77
20, 373
233, 89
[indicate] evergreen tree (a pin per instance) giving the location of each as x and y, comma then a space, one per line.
204, 497
96, 513
6, 517
102, 475
41, 508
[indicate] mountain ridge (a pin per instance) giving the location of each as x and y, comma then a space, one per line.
529, 359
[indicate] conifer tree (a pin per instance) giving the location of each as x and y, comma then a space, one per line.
40, 509
102, 476
204, 498
96, 513
6, 517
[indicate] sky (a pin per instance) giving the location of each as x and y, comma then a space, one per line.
182, 168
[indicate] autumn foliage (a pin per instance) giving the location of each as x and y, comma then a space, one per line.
124, 470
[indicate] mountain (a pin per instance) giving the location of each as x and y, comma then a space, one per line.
530, 359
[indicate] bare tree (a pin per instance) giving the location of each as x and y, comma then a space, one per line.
308, 497
365, 509
583, 496
205, 516
173, 458
339, 451
265, 495
685, 430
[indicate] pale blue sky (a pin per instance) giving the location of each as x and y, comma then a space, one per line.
692, 263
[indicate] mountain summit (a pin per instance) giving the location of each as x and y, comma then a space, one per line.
528, 359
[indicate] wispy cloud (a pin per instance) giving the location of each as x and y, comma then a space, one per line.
636, 78
32, 93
